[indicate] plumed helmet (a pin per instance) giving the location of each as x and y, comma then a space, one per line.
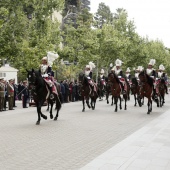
92, 65
87, 66
161, 67
102, 71
45, 58
128, 70
140, 68
152, 62
118, 62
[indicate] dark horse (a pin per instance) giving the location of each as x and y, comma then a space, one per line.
116, 90
146, 89
40, 93
162, 89
86, 93
135, 90
101, 88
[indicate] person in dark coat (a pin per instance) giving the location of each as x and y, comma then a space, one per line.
62, 91
25, 95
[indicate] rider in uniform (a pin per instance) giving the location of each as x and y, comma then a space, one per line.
137, 71
118, 71
46, 70
102, 77
161, 75
128, 75
88, 74
150, 71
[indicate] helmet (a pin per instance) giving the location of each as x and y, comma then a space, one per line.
44, 58
152, 62
102, 71
128, 69
161, 67
118, 62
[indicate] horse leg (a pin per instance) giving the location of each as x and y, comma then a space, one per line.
149, 105
125, 103
160, 101
135, 99
39, 117
51, 109
120, 100
83, 104
87, 102
47, 106
112, 101
40, 114
58, 107
115, 99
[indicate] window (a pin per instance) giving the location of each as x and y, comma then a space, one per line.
2, 74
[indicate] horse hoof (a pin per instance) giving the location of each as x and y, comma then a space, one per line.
83, 110
51, 116
148, 112
55, 118
38, 122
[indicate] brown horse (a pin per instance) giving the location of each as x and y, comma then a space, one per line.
86, 92
146, 88
162, 90
116, 90
135, 90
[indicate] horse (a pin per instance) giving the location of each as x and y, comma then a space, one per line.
135, 88
162, 90
40, 93
108, 90
101, 88
146, 89
116, 90
86, 92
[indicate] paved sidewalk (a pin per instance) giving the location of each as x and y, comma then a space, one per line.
146, 149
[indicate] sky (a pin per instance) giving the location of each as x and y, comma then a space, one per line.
151, 17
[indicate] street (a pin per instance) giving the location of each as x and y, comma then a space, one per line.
72, 141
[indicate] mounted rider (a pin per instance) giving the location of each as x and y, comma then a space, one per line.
101, 79
150, 71
127, 74
47, 73
118, 71
161, 75
137, 72
88, 74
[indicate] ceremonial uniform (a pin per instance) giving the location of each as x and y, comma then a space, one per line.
137, 71
10, 92
127, 74
88, 74
46, 72
2, 94
118, 71
161, 75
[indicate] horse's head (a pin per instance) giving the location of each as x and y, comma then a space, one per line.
32, 76
142, 76
112, 77
82, 79
145, 78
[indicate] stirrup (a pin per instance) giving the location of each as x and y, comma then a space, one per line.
51, 96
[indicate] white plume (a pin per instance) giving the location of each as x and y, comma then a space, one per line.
92, 65
161, 67
152, 62
51, 57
